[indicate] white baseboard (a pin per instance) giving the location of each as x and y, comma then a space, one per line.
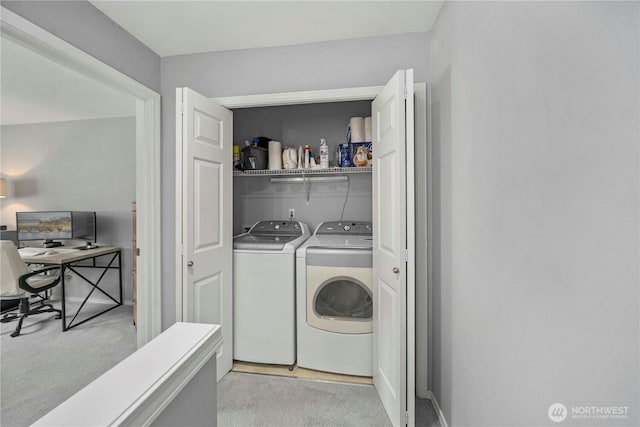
434, 402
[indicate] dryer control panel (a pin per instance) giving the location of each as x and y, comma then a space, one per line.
356, 228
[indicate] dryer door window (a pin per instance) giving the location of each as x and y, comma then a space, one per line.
343, 298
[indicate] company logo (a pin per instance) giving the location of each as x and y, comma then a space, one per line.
557, 412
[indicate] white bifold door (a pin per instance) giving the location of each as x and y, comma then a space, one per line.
392, 129
205, 130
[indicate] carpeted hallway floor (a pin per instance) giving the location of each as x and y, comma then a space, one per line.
252, 400
263, 400
43, 367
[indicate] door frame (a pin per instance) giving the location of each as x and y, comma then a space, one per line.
36, 39
367, 93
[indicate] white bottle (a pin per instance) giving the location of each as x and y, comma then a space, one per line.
324, 154
307, 163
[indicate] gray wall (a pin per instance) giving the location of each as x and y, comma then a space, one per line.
255, 198
328, 65
298, 125
197, 403
85, 165
535, 281
84, 26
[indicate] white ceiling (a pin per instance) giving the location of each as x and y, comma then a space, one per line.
35, 90
181, 27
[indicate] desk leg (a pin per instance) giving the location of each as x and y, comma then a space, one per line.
96, 286
63, 307
120, 273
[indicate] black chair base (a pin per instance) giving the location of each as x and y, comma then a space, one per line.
8, 305
26, 311
12, 313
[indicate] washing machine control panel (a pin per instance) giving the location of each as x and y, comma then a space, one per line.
360, 228
286, 228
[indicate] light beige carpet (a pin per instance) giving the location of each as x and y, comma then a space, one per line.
251, 400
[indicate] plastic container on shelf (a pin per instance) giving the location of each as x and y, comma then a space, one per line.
253, 157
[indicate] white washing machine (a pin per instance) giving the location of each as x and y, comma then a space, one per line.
264, 277
335, 299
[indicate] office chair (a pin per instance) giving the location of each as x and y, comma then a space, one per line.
17, 282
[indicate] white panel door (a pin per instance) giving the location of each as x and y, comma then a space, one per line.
390, 250
207, 217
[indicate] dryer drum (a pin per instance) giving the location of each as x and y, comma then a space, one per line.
343, 298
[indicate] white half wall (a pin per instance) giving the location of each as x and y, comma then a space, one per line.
85, 165
536, 223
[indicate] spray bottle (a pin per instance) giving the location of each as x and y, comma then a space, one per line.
324, 154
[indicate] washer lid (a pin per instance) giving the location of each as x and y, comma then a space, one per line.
261, 242
276, 235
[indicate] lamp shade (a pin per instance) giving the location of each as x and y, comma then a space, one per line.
3, 188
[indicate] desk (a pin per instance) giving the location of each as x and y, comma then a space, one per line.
69, 259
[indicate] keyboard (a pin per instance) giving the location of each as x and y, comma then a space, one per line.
32, 251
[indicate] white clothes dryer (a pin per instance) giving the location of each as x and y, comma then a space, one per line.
264, 329
335, 299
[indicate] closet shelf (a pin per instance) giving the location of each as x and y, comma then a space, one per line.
303, 172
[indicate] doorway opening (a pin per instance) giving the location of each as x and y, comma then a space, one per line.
147, 149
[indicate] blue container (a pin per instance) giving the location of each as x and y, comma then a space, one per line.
344, 156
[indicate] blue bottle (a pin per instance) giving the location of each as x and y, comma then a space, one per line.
344, 159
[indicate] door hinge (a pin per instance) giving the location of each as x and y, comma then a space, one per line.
406, 418
405, 92
406, 255
179, 250
181, 107
137, 251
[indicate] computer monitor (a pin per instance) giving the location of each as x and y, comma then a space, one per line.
59, 225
